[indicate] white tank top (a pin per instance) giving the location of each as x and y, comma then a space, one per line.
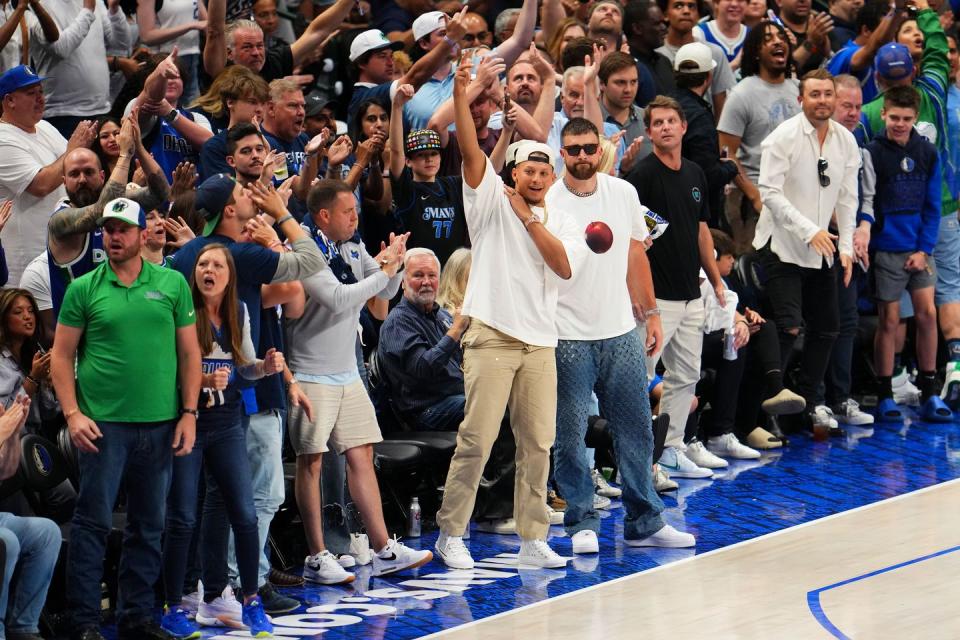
174, 13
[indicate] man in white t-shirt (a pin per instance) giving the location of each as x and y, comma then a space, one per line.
521, 251
31, 164
603, 350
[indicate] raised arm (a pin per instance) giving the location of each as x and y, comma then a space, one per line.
71, 37
488, 72
543, 114
51, 32
863, 57
215, 48
591, 90
511, 48
305, 259
552, 14
510, 112
152, 35
12, 24
424, 68
474, 162
319, 28
395, 140
50, 177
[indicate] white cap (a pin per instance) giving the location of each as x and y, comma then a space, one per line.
695, 52
371, 40
525, 150
428, 23
124, 210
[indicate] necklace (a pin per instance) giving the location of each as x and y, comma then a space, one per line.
580, 194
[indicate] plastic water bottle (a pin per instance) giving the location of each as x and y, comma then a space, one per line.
413, 519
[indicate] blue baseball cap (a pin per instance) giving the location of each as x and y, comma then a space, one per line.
212, 196
17, 78
893, 62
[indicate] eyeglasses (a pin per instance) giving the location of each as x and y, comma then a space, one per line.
575, 149
822, 167
476, 37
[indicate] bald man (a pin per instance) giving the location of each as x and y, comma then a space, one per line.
74, 244
478, 32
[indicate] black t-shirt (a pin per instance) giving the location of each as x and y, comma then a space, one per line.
279, 62
680, 198
432, 212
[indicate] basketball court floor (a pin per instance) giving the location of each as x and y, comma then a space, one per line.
858, 537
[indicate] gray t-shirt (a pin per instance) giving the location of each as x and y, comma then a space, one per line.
753, 109
723, 79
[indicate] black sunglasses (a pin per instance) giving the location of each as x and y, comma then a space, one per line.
575, 149
476, 37
822, 166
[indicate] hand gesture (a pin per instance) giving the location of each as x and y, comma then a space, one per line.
184, 435
267, 199
404, 94
6, 210
302, 79
184, 177
462, 77
754, 319
299, 399
273, 362
341, 148
317, 143
83, 431
285, 190
261, 230
630, 155
370, 148
127, 138
460, 323
40, 367
822, 243
591, 67
11, 419
274, 160
139, 175
489, 70
168, 66
540, 65
741, 334
510, 113
83, 135
819, 26
179, 230
219, 379
455, 27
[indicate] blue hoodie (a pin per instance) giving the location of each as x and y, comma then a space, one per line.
908, 197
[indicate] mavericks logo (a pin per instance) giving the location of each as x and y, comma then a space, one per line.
695, 192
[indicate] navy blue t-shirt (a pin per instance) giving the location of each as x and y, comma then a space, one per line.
296, 157
213, 157
378, 92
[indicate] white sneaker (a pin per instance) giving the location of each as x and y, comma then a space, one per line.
397, 556
556, 517
602, 487
904, 391
537, 553
698, 455
849, 412
661, 481
599, 502
346, 560
585, 541
323, 568
360, 548
677, 465
224, 611
822, 416
453, 552
728, 446
951, 386
504, 526
666, 537
191, 602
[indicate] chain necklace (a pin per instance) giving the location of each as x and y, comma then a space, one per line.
580, 194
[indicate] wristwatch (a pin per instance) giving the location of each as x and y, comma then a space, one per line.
533, 218
170, 117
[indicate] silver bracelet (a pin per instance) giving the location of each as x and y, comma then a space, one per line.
651, 312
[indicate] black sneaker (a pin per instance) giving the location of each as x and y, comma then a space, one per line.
282, 579
147, 630
275, 602
87, 633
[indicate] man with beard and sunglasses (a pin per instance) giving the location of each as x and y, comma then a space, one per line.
522, 249
808, 171
74, 241
604, 351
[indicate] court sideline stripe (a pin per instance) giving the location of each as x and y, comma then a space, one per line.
677, 563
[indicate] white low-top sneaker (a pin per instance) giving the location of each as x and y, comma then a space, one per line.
849, 412
585, 541
698, 455
678, 465
662, 482
397, 556
728, 446
537, 553
223, 611
604, 488
665, 537
453, 552
360, 548
323, 568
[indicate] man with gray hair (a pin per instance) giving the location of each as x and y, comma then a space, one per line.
419, 350
505, 24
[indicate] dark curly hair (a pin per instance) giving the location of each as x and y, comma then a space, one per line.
753, 43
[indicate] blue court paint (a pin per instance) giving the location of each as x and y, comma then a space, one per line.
813, 597
803, 482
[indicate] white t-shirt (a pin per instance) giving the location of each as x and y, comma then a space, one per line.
22, 156
174, 13
511, 288
10, 54
601, 282
36, 280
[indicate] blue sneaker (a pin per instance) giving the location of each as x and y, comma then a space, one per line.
936, 410
176, 623
889, 411
256, 619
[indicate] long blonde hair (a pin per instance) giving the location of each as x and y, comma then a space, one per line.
453, 279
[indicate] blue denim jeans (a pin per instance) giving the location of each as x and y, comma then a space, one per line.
221, 454
140, 457
616, 370
264, 432
445, 415
32, 547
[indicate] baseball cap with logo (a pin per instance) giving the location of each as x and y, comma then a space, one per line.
893, 61
17, 78
422, 140
212, 196
694, 57
371, 40
125, 210
428, 23
317, 102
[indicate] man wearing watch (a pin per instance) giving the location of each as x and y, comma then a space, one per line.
122, 409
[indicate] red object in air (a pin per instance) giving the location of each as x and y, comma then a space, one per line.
599, 237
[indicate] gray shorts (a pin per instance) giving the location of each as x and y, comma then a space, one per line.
890, 279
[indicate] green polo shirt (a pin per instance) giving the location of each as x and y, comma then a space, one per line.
127, 357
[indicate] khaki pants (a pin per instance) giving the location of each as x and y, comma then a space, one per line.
501, 372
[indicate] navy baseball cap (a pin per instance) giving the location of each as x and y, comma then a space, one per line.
17, 78
212, 196
893, 61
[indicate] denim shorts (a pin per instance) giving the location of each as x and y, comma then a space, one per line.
947, 257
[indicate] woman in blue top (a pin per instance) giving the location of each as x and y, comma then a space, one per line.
224, 332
